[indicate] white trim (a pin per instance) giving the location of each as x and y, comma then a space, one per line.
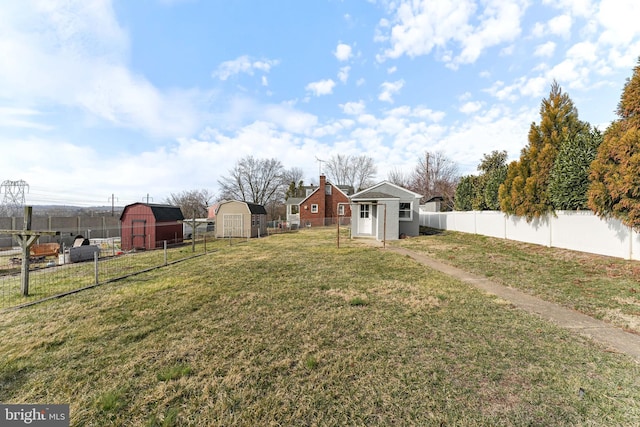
314, 208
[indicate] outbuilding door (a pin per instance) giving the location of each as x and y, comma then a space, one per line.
232, 225
364, 219
138, 233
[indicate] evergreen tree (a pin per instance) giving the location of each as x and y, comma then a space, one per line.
569, 180
615, 173
494, 171
525, 189
463, 200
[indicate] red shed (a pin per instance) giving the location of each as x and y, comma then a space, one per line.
147, 226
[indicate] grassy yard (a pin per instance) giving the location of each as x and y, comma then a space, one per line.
602, 287
289, 330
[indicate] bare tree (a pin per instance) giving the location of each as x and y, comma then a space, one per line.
356, 171
399, 177
192, 203
435, 175
253, 180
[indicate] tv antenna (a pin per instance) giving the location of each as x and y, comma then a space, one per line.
14, 198
320, 162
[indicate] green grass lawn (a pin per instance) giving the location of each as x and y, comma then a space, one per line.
290, 330
603, 287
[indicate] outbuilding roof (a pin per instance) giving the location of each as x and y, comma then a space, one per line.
161, 213
256, 209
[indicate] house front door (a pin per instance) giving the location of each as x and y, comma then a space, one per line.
364, 220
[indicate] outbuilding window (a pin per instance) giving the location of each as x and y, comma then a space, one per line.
314, 208
406, 211
341, 210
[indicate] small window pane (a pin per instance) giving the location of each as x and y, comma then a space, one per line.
405, 210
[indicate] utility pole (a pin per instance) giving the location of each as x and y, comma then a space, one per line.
112, 199
148, 197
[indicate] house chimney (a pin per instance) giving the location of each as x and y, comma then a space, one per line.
323, 182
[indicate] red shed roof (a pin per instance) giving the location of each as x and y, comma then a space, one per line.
160, 212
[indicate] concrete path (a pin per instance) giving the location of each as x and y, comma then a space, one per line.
614, 338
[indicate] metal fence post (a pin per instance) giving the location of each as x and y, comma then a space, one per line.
95, 267
165, 252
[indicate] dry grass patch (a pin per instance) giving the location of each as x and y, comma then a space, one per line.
603, 287
257, 334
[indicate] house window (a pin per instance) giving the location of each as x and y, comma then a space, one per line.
314, 208
364, 211
406, 212
340, 210
327, 190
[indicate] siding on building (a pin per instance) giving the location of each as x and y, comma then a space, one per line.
148, 226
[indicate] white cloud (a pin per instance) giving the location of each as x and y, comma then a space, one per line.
73, 55
545, 49
389, 89
353, 108
583, 52
322, 87
288, 119
470, 107
13, 117
533, 87
243, 64
560, 25
360, 81
343, 74
343, 52
421, 25
523, 86
582, 8
265, 81
392, 70
619, 18
500, 22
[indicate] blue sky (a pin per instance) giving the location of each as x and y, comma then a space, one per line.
102, 97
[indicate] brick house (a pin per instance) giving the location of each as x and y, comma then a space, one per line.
322, 205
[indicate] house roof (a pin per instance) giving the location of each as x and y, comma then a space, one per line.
294, 200
359, 194
160, 212
373, 195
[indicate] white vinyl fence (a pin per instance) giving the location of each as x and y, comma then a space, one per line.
576, 230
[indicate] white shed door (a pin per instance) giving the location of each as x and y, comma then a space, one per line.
232, 225
364, 220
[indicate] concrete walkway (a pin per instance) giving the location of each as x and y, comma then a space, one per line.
614, 338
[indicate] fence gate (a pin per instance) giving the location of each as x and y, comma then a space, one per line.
232, 225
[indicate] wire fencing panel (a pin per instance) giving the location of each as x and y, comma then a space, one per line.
50, 278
